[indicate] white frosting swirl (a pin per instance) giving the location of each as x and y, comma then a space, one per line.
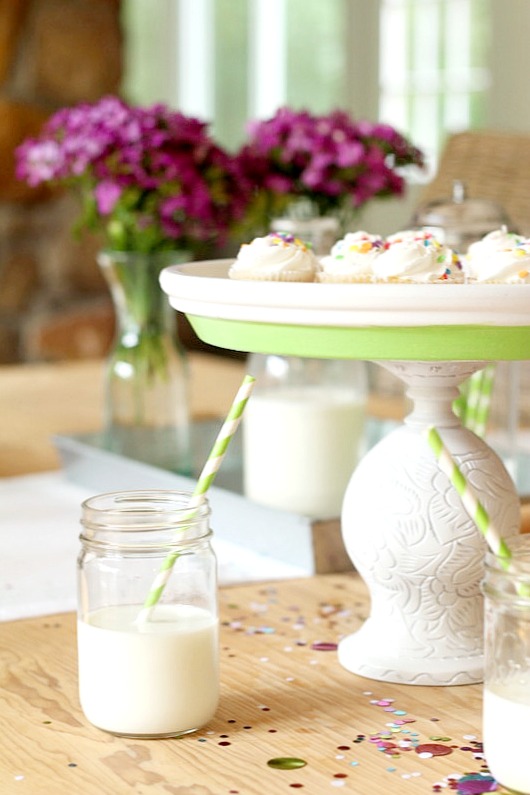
276, 256
421, 260
500, 256
353, 255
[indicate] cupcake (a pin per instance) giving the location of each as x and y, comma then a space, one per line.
351, 259
277, 257
501, 257
417, 257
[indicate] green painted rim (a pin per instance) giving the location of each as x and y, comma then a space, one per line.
419, 343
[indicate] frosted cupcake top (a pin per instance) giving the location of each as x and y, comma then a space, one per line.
353, 255
417, 257
278, 256
500, 257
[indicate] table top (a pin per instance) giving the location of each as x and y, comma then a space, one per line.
283, 695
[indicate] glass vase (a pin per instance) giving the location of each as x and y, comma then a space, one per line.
146, 412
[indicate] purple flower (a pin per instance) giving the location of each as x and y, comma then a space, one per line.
107, 193
331, 160
157, 172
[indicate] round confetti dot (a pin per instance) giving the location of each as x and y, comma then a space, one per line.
224, 742
434, 749
340, 775
343, 747
296, 786
286, 763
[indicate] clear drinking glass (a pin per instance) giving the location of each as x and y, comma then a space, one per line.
506, 710
147, 673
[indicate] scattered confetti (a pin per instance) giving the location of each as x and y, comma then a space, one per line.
476, 784
324, 646
286, 763
434, 749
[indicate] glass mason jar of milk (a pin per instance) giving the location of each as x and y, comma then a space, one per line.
303, 432
147, 671
506, 709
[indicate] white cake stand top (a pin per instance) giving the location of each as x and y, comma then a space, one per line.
362, 321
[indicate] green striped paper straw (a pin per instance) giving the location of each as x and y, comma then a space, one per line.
479, 399
204, 482
470, 501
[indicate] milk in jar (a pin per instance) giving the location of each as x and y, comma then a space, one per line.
147, 669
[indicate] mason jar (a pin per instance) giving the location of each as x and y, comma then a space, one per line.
147, 626
506, 708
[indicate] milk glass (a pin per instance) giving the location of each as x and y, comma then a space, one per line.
147, 673
303, 432
506, 710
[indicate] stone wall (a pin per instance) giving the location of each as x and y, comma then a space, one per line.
53, 301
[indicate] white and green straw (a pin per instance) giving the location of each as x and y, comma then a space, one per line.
479, 400
472, 405
470, 501
198, 497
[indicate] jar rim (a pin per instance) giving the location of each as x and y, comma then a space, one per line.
143, 509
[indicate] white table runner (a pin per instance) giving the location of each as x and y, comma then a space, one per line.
39, 544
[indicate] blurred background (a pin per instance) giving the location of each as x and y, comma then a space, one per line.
430, 68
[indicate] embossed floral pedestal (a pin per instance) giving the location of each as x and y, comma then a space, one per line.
415, 546
403, 525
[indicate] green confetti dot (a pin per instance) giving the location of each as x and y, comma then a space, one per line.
286, 763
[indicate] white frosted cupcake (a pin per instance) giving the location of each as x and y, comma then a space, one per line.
351, 259
501, 257
277, 257
417, 258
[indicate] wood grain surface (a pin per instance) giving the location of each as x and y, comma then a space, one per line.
283, 695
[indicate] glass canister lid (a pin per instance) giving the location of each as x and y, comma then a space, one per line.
460, 221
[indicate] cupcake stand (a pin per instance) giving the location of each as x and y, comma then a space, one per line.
403, 525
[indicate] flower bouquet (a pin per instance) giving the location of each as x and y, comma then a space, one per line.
311, 165
158, 190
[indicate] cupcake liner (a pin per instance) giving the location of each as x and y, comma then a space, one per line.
284, 276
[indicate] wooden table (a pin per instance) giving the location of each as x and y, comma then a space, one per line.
282, 696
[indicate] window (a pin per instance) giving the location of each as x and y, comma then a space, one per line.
433, 67
420, 65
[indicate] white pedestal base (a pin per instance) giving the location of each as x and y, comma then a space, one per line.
414, 545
